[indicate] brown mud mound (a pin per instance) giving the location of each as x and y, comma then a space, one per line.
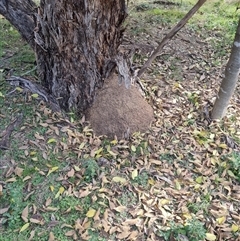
119, 111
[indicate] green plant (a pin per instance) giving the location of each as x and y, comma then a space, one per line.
13, 197
167, 157
234, 164
128, 198
193, 230
231, 162
142, 179
91, 168
94, 236
195, 207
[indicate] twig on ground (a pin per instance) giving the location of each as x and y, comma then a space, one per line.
5, 135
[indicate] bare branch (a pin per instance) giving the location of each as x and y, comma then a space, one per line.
20, 13
170, 35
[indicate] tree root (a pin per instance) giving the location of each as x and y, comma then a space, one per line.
35, 88
5, 135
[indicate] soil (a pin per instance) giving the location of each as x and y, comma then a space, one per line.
118, 111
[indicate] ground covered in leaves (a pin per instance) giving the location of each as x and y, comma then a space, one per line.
178, 181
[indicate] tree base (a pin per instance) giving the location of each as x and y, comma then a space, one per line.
118, 111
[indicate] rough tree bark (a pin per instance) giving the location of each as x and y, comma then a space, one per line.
21, 15
229, 82
76, 44
77, 48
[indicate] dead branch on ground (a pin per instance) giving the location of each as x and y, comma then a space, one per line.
170, 35
5, 135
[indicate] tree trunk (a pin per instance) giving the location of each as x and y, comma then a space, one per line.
77, 45
229, 82
21, 15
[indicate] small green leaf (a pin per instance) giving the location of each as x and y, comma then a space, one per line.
60, 192
119, 179
53, 169
35, 95
231, 174
19, 89
177, 185
210, 237
24, 227
91, 212
199, 180
51, 140
133, 148
134, 174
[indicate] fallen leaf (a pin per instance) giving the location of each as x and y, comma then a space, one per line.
51, 209
53, 169
210, 237
25, 214
19, 89
51, 140
77, 169
70, 233
221, 220
13, 179
177, 185
39, 137
32, 234
24, 227
231, 174
134, 174
71, 173
123, 235
91, 212
26, 178
133, 235
133, 148
156, 162
51, 237
199, 180
235, 228
96, 216
18, 171
4, 210
60, 192
48, 202
35, 95
119, 179
151, 181
33, 220
112, 153
120, 209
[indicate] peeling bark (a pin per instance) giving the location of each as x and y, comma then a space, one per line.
76, 43
229, 82
77, 46
21, 15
